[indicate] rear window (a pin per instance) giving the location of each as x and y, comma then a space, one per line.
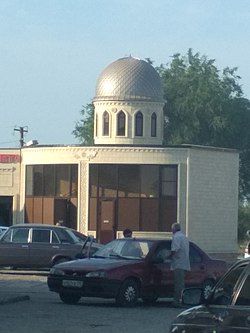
20, 235
40, 236
65, 236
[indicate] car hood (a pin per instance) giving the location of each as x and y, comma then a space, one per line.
93, 264
203, 317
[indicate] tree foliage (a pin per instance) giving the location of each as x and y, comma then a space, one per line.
84, 128
206, 107
244, 222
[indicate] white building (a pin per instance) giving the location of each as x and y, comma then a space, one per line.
127, 179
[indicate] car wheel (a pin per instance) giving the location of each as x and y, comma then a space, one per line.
207, 288
128, 293
149, 299
69, 298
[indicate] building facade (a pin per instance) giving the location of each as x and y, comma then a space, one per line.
127, 179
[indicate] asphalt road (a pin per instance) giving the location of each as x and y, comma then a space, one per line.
39, 310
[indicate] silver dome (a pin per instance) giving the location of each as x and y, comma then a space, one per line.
129, 79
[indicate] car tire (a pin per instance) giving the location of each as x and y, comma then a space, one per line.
149, 299
207, 287
69, 298
128, 293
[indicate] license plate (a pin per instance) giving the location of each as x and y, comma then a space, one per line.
72, 283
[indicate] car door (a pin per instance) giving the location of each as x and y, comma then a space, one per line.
229, 305
237, 316
14, 247
161, 274
42, 249
198, 273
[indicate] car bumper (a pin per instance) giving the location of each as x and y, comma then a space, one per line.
92, 287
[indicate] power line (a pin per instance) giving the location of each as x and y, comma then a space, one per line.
22, 130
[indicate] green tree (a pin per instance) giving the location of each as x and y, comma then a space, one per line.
206, 107
84, 128
244, 222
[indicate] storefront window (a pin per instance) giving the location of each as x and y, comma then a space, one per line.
74, 180
38, 180
129, 181
49, 180
169, 181
29, 180
149, 181
62, 180
107, 181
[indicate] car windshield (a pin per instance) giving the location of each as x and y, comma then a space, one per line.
224, 290
128, 249
67, 236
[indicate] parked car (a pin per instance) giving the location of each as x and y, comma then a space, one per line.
128, 269
227, 309
40, 246
80, 236
3, 229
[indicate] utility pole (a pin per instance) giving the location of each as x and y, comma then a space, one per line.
22, 130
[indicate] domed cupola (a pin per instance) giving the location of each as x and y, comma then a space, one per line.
129, 79
129, 104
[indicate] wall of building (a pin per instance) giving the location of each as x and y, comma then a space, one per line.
212, 203
207, 185
130, 109
10, 165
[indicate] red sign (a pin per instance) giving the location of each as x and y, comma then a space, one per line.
9, 158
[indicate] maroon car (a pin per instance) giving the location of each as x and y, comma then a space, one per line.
128, 269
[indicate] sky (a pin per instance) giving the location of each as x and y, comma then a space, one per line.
52, 52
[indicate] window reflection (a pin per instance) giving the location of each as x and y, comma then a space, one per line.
129, 181
107, 181
149, 181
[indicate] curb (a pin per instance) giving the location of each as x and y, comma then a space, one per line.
14, 299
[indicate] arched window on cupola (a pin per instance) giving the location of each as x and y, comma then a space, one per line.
105, 124
121, 123
139, 124
153, 125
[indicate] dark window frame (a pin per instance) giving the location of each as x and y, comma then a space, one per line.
121, 123
153, 125
105, 123
139, 124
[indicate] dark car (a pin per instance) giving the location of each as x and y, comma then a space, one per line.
80, 236
227, 309
40, 246
128, 269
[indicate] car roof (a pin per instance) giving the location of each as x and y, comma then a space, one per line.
130, 239
37, 225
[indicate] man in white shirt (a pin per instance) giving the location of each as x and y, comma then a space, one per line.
180, 261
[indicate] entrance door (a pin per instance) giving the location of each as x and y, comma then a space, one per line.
6, 207
107, 221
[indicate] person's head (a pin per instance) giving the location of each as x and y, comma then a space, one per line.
127, 233
176, 227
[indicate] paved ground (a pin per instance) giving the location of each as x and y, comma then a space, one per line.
28, 306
